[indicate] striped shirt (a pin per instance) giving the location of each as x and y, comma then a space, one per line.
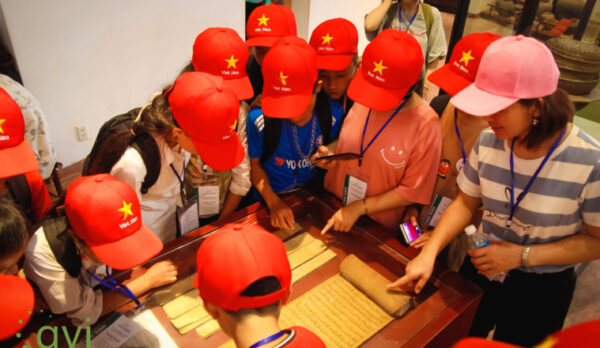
565, 194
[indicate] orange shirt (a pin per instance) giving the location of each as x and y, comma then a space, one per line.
404, 157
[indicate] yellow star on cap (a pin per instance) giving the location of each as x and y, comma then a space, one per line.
326, 39
1, 122
263, 20
231, 62
466, 57
379, 67
126, 210
283, 77
233, 127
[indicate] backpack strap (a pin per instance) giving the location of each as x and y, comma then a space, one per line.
146, 146
428, 15
324, 115
272, 134
439, 103
20, 191
62, 245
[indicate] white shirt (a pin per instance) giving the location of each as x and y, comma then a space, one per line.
160, 203
63, 293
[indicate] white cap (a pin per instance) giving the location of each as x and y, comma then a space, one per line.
469, 230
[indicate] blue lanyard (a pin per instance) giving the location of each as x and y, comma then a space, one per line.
462, 146
362, 151
271, 338
411, 20
116, 286
513, 205
181, 182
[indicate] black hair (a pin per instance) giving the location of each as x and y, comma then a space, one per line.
263, 286
555, 112
13, 230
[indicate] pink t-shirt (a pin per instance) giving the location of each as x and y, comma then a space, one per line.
404, 157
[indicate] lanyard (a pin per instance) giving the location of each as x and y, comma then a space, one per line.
411, 20
513, 205
116, 286
362, 151
462, 146
180, 179
271, 338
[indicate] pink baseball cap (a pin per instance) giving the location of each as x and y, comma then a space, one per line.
391, 64
16, 155
222, 52
464, 63
105, 213
290, 73
233, 258
335, 42
512, 68
208, 112
267, 23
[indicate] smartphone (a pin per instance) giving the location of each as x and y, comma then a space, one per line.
340, 157
409, 232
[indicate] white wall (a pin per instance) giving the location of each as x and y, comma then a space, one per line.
353, 10
86, 61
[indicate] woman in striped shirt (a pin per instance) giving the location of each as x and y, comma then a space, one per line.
538, 179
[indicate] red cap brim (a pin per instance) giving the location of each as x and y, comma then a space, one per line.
223, 156
17, 305
241, 87
372, 96
17, 160
266, 41
130, 251
289, 106
477, 102
448, 80
337, 62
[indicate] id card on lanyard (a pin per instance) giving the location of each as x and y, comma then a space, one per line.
187, 214
355, 187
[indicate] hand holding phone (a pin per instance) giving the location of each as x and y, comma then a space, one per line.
346, 156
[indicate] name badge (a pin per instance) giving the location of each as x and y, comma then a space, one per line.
187, 218
355, 189
439, 205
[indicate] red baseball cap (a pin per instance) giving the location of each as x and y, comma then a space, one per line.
267, 23
233, 258
464, 63
16, 155
290, 73
208, 112
222, 52
105, 213
17, 305
391, 64
335, 41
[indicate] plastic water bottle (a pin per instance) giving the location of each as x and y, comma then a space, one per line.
481, 240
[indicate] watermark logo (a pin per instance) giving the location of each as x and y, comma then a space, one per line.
49, 336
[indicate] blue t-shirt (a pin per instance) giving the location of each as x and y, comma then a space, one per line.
287, 169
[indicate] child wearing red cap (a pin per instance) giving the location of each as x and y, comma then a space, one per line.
196, 115
537, 177
287, 131
335, 43
69, 256
222, 52
244, 278
459, 132
266, 25
423, 22
396, 134
19, 179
